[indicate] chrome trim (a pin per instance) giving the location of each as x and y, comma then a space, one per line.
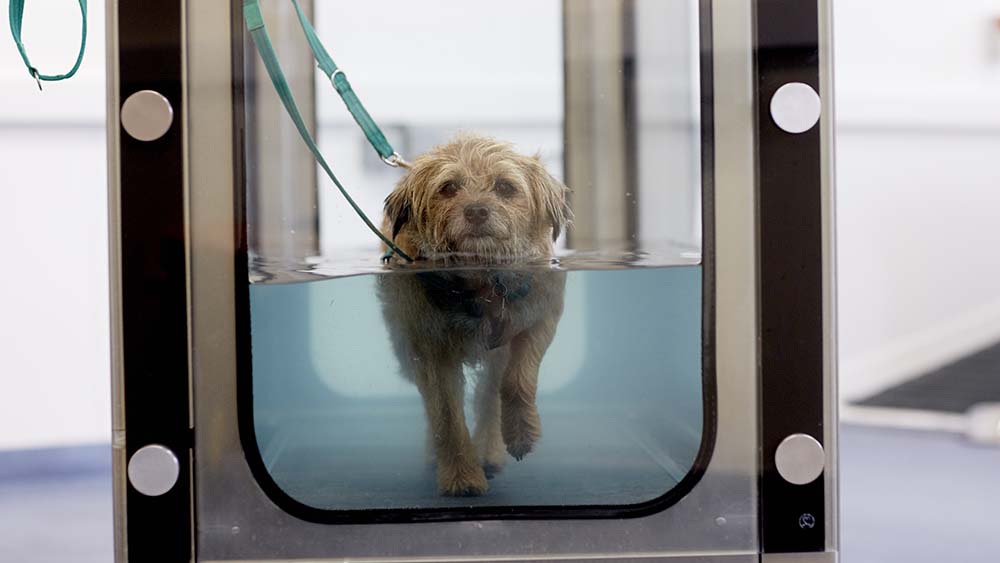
828, 185
185, 126
114, 285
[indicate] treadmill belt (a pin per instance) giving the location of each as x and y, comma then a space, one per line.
332, 462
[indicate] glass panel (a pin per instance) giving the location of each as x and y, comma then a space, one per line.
406, 386
621, 413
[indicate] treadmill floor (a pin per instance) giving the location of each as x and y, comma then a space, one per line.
334, 462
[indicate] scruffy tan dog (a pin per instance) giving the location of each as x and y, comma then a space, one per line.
490, 215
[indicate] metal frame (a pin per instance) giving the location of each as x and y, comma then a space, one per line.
229, 498
795, 197
281, 192
607, 26
235, 519
829, 252
790, 203
148, 255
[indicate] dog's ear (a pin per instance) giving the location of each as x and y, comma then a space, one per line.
397, 210
557, 207
554, 198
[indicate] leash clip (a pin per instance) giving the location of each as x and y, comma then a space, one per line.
34, 74
395, 161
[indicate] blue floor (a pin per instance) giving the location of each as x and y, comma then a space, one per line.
55, 506
907, 497
918, 497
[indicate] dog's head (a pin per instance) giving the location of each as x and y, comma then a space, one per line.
476, 198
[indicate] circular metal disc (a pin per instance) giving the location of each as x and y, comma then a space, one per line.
800, 459
795, 107
147, 115
153, 470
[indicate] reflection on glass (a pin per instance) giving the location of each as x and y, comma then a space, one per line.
546, 348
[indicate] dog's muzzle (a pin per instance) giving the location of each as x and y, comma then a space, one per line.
477, 214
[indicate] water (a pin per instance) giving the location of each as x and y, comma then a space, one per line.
620, 395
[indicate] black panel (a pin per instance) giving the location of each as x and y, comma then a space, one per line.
153, 280
791, 279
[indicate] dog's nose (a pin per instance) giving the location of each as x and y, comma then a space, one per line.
477, 214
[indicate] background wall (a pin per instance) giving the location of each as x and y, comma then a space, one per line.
918, 179
54, 372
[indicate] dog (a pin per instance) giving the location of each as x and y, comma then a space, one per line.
480, 210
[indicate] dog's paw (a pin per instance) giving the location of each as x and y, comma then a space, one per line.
492, 453
521, 428
520, 448
462, 481
491, 469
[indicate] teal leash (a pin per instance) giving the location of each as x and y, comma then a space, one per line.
258, 32
340, 83
16, 14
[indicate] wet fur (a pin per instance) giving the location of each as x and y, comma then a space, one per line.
499, 320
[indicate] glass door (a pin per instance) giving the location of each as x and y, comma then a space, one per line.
554, 347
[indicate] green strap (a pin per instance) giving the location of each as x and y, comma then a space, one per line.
16, 14
343, 87
255, 24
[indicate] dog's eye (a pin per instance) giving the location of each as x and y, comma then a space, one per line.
448, 189
504, 188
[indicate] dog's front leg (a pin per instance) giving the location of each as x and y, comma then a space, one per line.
487, 438
520, 424
458, 471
